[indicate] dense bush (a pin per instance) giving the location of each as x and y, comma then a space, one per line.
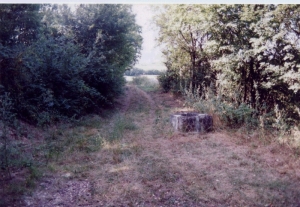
59, 63
169, 81
246, 55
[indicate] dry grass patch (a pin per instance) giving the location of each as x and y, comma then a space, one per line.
146, 163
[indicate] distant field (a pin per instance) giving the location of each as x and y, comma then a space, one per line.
151, 77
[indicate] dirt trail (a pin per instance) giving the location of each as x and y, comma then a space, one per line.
133, 93
151, 165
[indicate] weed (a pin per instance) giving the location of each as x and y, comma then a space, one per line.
161, 125
7, 120
51, 167
94, 143
243, 163
91, 121
297, 152
120, 124
53, 147
278, 185
211, 144
137, 150
158, 169
235, 157
93, 189
120, 154
130, 168
254, 146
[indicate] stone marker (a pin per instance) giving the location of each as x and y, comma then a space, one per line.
192, 122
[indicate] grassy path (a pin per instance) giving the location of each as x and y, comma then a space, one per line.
141, 161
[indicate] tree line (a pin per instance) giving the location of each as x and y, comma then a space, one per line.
240, 55
64, 61
137, 72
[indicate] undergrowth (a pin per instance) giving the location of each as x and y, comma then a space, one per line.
232, 116
119, 125
28, 157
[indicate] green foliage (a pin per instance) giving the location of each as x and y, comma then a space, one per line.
120, 124
65, 64
7, 151
169, 81
19, 23
111, 42
187, 63
246, 55
230, 113
52, 84
137, 71
57, 63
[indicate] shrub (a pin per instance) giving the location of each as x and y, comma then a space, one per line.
169, 81
57, 71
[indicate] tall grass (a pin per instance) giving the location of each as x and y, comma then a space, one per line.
230, 115
119, 125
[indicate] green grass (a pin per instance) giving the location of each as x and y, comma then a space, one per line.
135, 157
120, 124
14, 189
152, 169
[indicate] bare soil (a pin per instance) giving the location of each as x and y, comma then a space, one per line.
151, 165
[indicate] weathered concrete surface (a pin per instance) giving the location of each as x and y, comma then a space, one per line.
192, 122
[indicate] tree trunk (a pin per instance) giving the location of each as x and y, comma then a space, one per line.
252, 77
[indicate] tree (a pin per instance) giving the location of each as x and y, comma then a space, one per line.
19, 28
252, 52
179, 29
111, 41
56, 62
19, 23
256, 54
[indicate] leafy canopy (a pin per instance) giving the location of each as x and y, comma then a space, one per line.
60, 62
247, 55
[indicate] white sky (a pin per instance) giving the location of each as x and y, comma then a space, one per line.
151, 56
